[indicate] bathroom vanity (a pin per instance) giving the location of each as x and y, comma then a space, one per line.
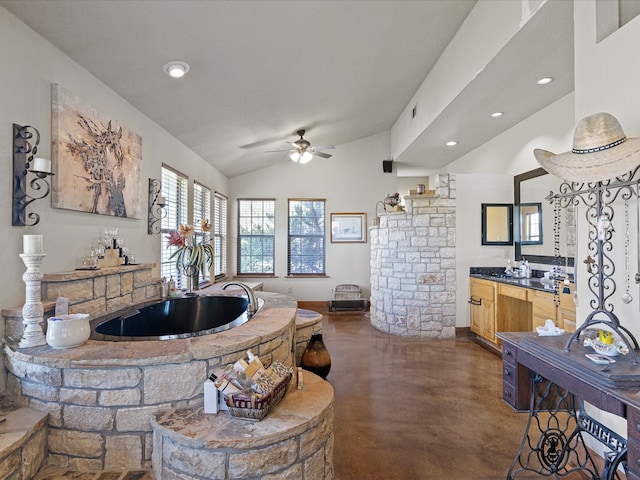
505, 304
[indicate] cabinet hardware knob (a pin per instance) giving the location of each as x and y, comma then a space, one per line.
507, 393
507, 372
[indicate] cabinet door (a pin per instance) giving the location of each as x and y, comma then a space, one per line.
543, 308
476, 315
488, 315
567, 319
482, 308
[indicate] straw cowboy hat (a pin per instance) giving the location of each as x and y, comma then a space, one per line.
600, 151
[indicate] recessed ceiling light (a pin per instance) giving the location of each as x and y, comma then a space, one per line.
451, 144
497, 114
176, 69
545, 80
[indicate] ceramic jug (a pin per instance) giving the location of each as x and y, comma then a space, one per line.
65, 331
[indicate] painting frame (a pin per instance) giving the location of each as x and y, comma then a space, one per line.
348, 227
97, 160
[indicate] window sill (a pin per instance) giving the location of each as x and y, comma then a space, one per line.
309, 275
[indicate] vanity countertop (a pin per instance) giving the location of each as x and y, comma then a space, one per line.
498, 275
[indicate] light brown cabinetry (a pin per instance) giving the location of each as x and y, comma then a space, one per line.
483, 308
502, 307
544, 307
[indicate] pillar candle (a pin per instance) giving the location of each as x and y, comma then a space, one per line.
161, 201
32, 244
41, 165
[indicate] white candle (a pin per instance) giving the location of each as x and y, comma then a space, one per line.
32, 244
161, 201
41, 165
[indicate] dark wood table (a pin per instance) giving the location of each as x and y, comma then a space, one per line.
615, 389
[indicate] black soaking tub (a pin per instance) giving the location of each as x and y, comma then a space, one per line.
174, 318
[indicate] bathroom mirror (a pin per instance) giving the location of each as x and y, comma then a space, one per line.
529, 222
531, 188
497, 224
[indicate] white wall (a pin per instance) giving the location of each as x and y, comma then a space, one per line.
474, 189
351, 180
485, 175
607, 78
493, 21
31, 66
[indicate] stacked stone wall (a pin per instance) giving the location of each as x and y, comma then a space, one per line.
96, 292
413, 266
100, 396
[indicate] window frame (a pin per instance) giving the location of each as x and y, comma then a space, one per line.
201, 208
254, 236
176, 212
291, 238
220, 233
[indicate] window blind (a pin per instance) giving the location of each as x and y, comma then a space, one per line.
174, 189
256, 236
306, 237
201, 211
220, 235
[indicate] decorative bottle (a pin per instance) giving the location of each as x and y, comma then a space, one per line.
315, 357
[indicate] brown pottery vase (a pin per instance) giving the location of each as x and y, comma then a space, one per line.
315, 357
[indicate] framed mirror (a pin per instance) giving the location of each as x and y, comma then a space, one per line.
529, 224
497, 224
531, 188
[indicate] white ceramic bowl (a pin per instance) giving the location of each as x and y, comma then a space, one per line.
66, 331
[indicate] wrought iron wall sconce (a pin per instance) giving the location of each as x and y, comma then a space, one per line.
25, 146
156, 207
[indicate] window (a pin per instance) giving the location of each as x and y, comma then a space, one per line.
174, 189
201, 211
220, 235
306, 237
256, 236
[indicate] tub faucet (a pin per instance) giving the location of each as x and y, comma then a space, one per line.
252, 308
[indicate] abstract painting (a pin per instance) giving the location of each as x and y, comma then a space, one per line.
96, 160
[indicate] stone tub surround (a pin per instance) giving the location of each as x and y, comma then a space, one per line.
295, 441
100, 396
413, 266
23, 439
96, 292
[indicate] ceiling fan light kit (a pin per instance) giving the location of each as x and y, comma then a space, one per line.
302, 152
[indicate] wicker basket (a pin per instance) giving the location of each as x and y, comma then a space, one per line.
254, 408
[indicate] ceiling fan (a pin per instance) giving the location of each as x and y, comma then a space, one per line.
302, 151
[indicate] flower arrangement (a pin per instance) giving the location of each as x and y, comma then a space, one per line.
191, 255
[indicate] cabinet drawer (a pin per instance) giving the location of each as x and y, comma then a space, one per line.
509, 373
512, 291
509, 395
566, 299
633, 440
508, 354
482, 289
542, 305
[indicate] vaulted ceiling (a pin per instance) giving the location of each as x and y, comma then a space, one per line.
260, 70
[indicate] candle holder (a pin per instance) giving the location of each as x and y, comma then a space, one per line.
33, 310
156, 207
25, 146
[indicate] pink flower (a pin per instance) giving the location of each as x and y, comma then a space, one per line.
176, 239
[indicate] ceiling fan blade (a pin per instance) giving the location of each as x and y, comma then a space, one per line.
324, 147
320, 154
276, 151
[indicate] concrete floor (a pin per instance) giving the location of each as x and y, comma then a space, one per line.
416, 408
411, 409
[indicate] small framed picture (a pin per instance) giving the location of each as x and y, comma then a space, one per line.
348, 227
